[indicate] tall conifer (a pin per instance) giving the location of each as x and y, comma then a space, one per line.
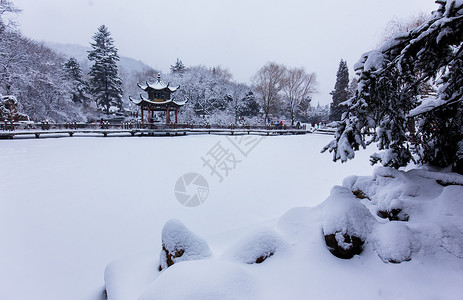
340, 92
105, 83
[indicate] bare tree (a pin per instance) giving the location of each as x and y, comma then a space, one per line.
268, 83
397, 25
298, 86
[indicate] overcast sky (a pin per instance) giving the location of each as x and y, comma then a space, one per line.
241, 35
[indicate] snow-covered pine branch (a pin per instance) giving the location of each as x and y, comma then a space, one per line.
392, 81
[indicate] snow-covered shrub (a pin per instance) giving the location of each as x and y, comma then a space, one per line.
394, 242
386, 189
346, 223
256, 247
180, 244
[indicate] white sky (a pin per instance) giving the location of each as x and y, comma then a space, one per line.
241, 35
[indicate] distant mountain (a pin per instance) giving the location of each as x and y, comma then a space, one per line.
126, 64
131, 70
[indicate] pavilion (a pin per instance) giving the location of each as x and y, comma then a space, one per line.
159, 99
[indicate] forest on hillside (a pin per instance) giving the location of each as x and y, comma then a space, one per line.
53, 85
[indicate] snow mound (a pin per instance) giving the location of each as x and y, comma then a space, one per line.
207, 279
427, 202
256, 247
450, 207
126, 277
421, 249
300, 220
343, 213
394, 242
393, 194
346, 223
180, 244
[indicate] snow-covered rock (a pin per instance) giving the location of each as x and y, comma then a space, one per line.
180, 244
256, 247
346, 223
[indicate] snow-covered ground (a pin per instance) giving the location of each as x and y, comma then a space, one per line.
71, 206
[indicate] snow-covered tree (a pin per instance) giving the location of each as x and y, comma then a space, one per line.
105, 83
7, 7
298, 86
397, 25
178, 68
303, 109
388, 99
318, 114
78, 85
340, 92
268, 83
353, 86
249, 106
34, 74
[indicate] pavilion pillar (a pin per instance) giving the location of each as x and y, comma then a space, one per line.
167, 115
149, 114
141, 108
176, 115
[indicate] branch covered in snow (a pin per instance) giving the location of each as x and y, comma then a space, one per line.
392, 81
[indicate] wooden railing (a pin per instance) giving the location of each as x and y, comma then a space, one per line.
10, 126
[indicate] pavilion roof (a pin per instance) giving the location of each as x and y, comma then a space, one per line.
158, 85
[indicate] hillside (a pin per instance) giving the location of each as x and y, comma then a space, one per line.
126, 64
130, 70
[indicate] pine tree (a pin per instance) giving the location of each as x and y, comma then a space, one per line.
340, 92
390, 100
78, 85
249, 107
105, 84
178, 68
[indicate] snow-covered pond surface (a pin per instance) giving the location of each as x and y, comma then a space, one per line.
70, 206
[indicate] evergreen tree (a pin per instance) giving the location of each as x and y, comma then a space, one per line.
340, 93
105, 83
78, 86
178, 68
303, 109
249, 107
389, 102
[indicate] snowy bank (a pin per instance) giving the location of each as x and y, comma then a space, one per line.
411, 237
